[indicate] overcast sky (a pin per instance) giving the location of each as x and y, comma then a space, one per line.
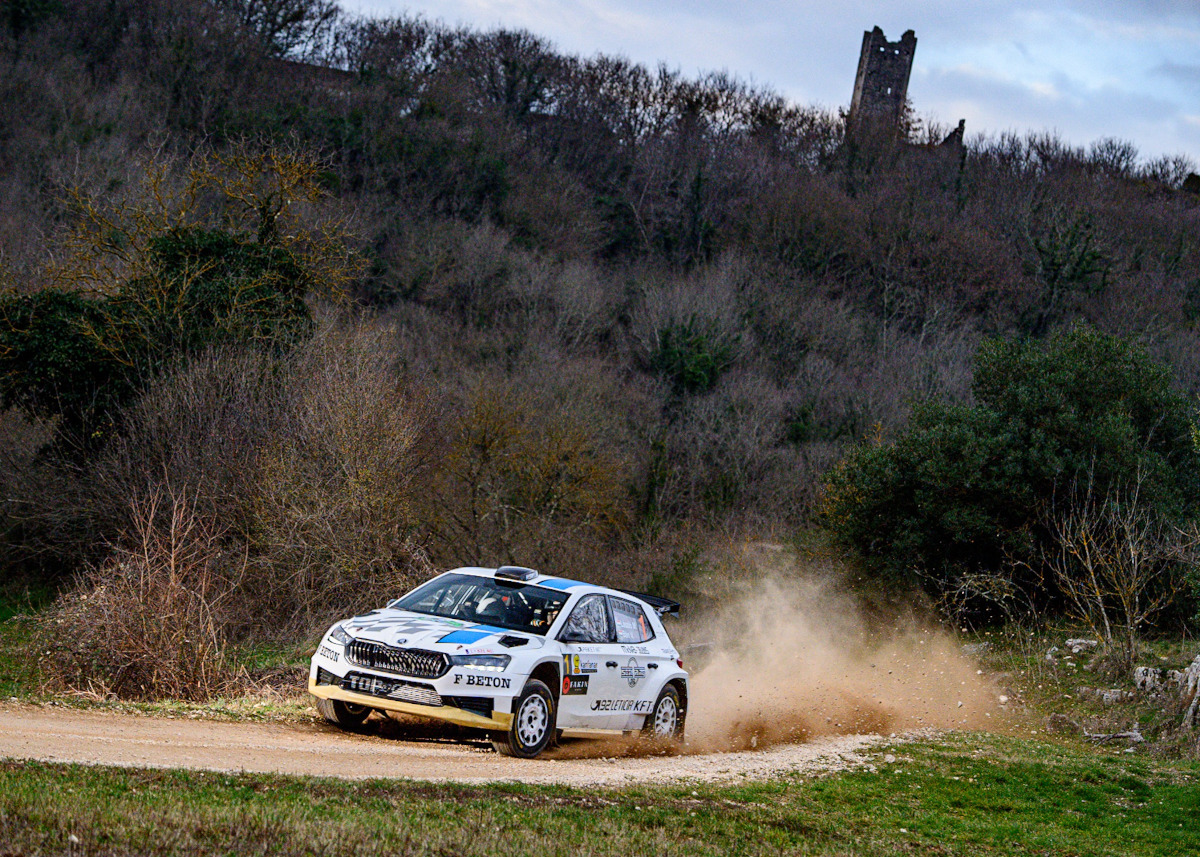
1086, 69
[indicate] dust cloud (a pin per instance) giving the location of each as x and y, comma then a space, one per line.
797, 658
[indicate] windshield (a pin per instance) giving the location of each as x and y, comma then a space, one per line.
499, 603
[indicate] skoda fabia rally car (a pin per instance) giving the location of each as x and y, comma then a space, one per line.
525, 656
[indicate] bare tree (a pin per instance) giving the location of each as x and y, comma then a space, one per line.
1117, 562
288, 28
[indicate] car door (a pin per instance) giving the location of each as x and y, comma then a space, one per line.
638, 664
593, 694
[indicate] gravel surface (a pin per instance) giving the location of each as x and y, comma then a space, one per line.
56, 734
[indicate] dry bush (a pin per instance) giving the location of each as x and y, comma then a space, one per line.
306, 460
551, 209
469, 272
710, 299
202, 426
334, 524
585, 305
150, 622
723, 449
536, 468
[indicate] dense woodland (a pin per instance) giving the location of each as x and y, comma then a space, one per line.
312, 304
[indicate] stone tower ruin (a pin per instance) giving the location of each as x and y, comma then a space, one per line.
881, 88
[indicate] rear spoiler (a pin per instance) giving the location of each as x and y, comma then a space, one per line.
662, 606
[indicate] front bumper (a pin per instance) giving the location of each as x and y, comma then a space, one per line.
439, 699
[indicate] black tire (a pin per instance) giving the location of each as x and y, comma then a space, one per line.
664, 723
344, 715
533, 723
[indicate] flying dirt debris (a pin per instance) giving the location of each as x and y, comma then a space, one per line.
796, 659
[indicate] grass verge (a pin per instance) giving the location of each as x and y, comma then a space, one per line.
1045, 678
961, 794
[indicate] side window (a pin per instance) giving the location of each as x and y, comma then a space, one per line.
588, 622
631, 622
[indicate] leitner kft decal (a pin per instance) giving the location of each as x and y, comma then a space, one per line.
575, 685
327, 652
637, 706
482, 680
633, 672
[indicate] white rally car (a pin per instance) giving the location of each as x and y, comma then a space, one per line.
525, 656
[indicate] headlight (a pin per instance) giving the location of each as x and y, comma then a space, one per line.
339, 635
481, 662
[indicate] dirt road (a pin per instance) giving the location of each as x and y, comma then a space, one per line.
67, 735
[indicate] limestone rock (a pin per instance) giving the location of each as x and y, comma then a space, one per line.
1106, 696
1189, 682
1155, 679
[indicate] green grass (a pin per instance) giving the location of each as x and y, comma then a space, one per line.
18, 674
965, 794
18, 602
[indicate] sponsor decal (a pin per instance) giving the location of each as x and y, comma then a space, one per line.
576, 665
635, 650
327, 652
637, 706
633, 672
575, 685
369, 684
482, 680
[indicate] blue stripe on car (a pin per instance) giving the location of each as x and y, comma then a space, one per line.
559, 583
465, 637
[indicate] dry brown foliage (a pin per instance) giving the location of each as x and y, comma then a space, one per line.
150, 622
307, 460
270, 195
533, 470
334, 526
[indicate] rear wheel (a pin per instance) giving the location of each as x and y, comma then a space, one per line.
345, 715
664, 724
533, 723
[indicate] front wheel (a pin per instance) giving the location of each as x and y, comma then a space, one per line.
532, 725
346, 715
664, 724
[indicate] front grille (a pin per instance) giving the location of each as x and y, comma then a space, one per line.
414, 662
391, 688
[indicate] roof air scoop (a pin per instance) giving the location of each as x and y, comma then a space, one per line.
516, 572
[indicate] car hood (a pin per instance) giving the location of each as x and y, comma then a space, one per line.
403, 629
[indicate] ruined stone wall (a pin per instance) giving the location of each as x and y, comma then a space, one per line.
881, 86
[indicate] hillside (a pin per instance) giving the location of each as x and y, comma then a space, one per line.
574, 313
